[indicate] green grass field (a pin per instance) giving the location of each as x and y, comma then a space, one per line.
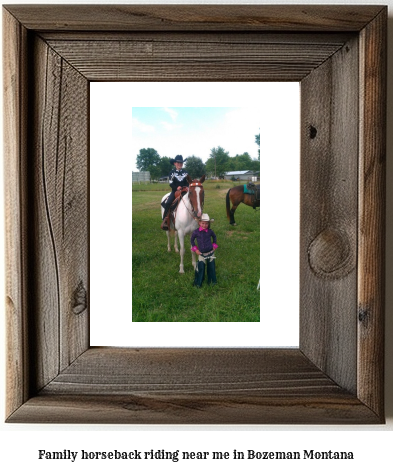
161, 293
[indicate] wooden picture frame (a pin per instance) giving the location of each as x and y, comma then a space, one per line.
338, 54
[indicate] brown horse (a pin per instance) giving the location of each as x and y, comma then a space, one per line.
237, 195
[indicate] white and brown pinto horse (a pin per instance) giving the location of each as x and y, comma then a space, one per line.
186, 216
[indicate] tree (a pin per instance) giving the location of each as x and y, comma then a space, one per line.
257, 141
147, 159
242, 162
155, 172
195, 167
255, 165
218, 162
165, 166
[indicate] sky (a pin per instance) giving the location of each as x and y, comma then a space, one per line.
195, 131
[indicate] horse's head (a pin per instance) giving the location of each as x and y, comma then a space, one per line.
196, 195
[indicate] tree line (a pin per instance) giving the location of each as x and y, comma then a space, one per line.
219, 162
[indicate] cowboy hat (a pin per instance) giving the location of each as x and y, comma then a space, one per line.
206, 218
178, 159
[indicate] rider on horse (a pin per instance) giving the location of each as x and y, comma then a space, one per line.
177, 180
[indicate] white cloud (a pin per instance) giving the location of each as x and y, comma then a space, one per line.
142, 127
170, 126
172, 113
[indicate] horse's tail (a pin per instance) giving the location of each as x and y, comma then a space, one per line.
228, 203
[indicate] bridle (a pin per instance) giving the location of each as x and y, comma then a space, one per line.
196, 184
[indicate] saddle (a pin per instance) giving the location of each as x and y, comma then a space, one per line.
175, 202
178, 195
251, 188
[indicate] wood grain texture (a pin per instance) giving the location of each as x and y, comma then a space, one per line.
194, 409
51, 54
195, 17
201, 37
193, 386
60, 140
372, 172
206, 371
179, 60
15, 105
329, 174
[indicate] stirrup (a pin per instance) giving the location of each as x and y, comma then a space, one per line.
164, 224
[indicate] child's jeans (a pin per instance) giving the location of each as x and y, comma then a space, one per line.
209, 260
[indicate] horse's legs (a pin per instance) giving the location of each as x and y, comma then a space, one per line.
232, 199
169, 240
182, 250
232, 214
176, 247
168, 234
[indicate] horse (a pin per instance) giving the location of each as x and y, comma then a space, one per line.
237, 195
186, 216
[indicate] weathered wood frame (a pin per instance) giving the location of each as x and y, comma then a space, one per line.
338, 54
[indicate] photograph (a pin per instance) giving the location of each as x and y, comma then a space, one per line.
211, 269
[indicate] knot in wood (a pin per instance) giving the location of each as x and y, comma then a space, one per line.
313, 132
80, 299
331, 255
364, 316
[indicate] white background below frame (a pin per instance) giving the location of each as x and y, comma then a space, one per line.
110, 223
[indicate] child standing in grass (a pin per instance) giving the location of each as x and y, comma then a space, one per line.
205, 250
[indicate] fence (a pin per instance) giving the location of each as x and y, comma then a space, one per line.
141, 176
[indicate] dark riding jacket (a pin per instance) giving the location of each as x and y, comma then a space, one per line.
177, 178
